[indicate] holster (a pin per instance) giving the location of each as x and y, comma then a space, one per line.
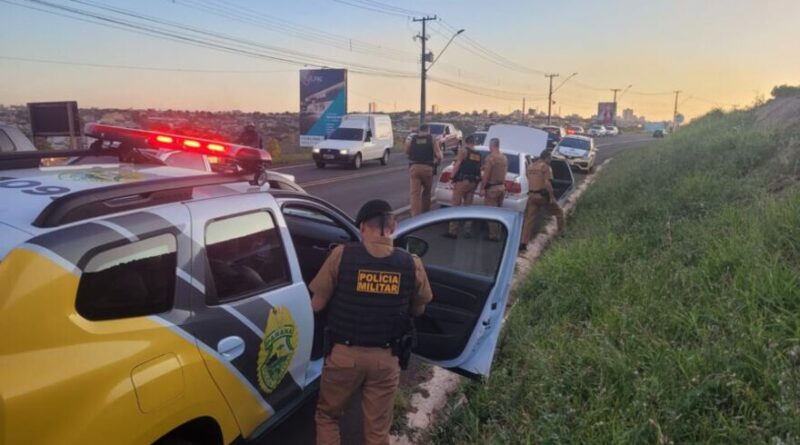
402, 347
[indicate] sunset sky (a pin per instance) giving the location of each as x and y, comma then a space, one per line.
718, 52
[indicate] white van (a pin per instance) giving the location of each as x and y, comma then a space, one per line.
359, 138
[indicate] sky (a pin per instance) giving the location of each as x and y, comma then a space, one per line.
718, 53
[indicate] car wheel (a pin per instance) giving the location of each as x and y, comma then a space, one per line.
357, 162
385, 158
320, 164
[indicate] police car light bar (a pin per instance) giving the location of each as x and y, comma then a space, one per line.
159, 140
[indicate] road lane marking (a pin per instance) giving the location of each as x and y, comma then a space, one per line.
353, 176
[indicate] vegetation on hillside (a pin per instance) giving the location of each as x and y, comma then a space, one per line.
668, 311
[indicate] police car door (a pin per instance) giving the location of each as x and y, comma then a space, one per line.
470, 277
255, 317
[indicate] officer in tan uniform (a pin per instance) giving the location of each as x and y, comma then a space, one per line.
493, 183
371, 290
423, 152
540, 195
466, 176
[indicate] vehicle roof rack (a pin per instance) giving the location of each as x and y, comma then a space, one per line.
106, 200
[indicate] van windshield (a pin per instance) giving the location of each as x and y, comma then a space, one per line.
348, 134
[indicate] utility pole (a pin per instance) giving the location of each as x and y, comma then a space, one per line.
423, 69
522, 115
615, 90
550, 97
675, 112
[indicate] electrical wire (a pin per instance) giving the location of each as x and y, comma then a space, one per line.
139, 68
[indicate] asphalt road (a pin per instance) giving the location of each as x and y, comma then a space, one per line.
348, 189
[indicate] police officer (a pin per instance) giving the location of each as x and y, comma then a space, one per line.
540, 194
493, 183
466, 176
250, 137
422, 153
370, 290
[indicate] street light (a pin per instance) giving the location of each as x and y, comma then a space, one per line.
424, 71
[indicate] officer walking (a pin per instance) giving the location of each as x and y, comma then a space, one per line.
422, 153
371, 291
466, 176
540, 194
493, 183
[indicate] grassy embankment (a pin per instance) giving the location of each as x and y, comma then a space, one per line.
669, 310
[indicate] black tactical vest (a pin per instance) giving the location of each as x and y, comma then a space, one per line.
470, 169
421, 150
370, 306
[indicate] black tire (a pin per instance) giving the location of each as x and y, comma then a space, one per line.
385, 157
356, 162
320, 164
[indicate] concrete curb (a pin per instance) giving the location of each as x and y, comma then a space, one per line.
428, 404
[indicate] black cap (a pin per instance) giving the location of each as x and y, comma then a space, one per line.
371, 209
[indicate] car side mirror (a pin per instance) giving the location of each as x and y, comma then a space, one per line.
416, 246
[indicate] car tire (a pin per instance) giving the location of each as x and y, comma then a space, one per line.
385, 157
356, 162
320, 164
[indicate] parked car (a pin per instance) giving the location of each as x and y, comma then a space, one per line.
12, 140
554, 134
167, 305
660, 133
521, 145
359, 138
447, 135
575, 129
612, 130
597, 130
579, 151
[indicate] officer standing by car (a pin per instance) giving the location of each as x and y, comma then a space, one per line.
493, 183
422, 153
250, 137
466, 176
540, 194
371, 290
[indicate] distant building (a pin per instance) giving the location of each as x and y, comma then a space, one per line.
627, 115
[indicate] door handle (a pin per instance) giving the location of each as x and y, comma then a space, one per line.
230, 347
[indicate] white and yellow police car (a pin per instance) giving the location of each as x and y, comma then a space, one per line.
146, 303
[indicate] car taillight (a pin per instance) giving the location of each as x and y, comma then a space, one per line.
513, 187
445, 177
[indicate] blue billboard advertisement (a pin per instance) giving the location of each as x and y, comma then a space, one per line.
323, 103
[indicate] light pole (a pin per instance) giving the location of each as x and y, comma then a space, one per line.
424, 69
550, 96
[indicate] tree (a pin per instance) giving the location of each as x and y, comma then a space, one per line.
785, 91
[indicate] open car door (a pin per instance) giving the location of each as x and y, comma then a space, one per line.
470, 277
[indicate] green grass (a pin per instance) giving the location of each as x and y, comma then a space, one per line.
668, 311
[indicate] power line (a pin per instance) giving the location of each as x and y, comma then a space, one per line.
139, 68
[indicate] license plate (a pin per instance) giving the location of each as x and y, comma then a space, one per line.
328, 156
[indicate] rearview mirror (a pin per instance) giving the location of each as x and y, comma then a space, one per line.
416, 246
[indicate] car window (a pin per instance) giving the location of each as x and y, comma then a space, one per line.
513, 160
480, 138
307, 213
132, 280
436, 129
6, 145
582, 144
245, 256
182, 159
347, 134
475, 255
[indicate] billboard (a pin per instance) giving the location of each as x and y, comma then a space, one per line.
606, 113
323, 103
54, 119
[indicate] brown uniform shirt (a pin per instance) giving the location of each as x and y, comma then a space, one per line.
494, 169
539, 174
324, 284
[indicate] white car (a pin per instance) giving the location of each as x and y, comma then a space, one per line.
12, 140
521, 145
597, 130
612, 130
360, 137
579, 151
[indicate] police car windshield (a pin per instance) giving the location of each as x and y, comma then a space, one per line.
436, 129
347, 134
581, 144
513, 160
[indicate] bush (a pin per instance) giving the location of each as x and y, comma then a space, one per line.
785, 91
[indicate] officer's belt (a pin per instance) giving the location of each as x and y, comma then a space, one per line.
429, 164
347, 342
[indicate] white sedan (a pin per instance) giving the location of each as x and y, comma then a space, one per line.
579, 151
597, 130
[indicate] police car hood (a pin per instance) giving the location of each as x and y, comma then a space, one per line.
25, 193
518, 138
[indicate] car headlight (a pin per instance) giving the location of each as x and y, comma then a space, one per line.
315, 150
343, 152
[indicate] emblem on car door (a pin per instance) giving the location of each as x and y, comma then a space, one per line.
277, 349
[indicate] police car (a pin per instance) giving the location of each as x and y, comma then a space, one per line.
143, 302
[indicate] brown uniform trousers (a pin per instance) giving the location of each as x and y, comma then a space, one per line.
347, 369
494, 198
421, 184
536, 202
463, 194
